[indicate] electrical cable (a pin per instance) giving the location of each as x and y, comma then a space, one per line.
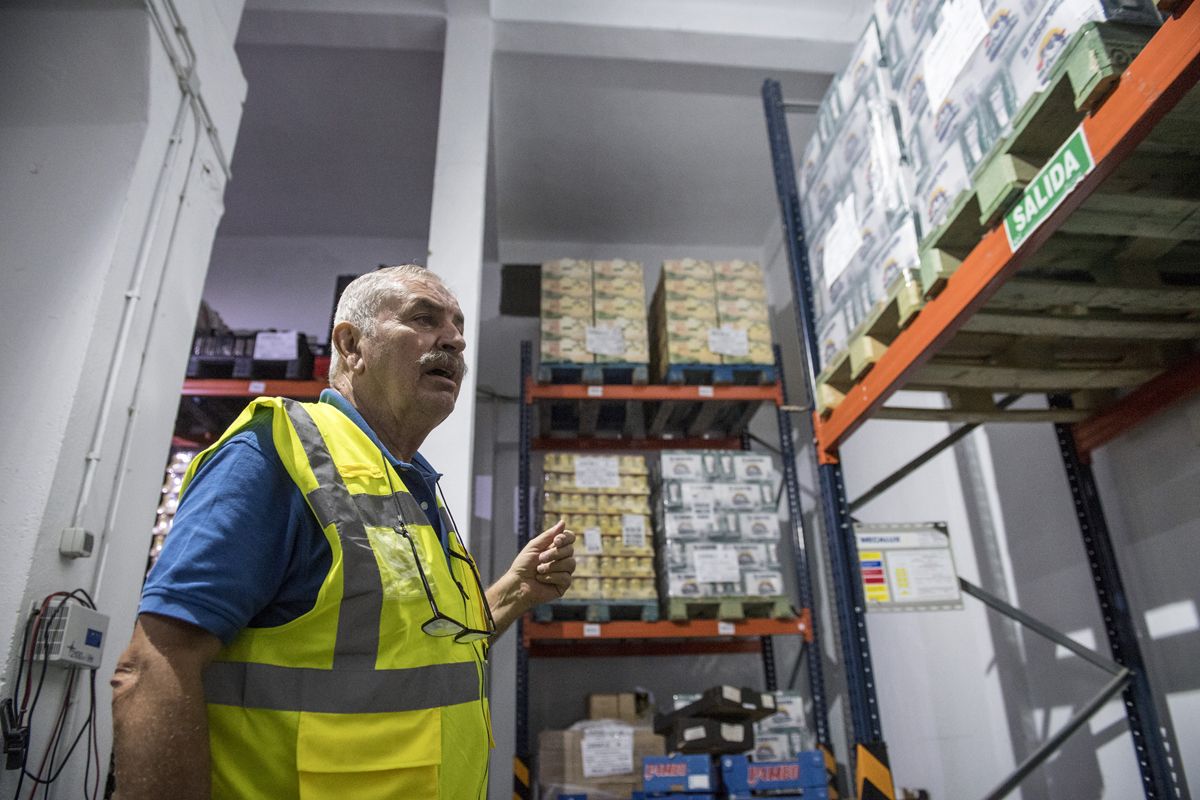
27, 701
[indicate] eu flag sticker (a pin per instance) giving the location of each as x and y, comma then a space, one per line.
93, 637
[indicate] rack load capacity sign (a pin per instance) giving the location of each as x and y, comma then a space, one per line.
907, 567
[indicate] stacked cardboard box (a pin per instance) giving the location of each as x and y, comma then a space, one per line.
856, 204
606, 501
619, 291
962, 69
593, 312
566, 311
783, 735
710, 313
719, 531
932, 87
595, 757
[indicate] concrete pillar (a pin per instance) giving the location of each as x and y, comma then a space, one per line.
112, 194
456, 226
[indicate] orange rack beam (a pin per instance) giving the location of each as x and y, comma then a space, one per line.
664, 637
581, 443
535, 391
240, 387
1153, 83
1149, 398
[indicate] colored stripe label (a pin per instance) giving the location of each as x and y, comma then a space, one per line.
1054, 181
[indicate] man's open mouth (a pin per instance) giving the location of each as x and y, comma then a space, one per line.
442, 373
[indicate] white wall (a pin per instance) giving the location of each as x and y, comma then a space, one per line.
248, 272
90, 104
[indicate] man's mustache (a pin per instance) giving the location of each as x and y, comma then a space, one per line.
443, 359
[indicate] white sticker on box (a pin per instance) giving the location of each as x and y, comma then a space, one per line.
732, 694
963, 28
698, 783
693, 733
841, 241
275, 346
732, 733
716, 564
605, 341
633, 530
597, 472
607, 751
727, 341
593, 543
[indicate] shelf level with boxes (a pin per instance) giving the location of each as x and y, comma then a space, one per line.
1062, 263
687, 418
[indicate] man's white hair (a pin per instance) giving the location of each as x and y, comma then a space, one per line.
365, 295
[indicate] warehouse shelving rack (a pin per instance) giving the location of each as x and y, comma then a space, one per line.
576, 639
1159, 77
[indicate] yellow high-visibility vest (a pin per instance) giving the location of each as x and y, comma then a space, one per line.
352, 700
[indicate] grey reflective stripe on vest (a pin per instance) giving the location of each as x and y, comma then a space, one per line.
330, 691
357, 644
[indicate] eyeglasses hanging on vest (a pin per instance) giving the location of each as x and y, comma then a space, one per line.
440, 624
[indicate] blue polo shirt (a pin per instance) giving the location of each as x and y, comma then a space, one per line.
244, 548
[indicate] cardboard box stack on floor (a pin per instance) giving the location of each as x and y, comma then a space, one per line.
707, 312
598, 758
719, 529
781, 736
606, 501
593, 312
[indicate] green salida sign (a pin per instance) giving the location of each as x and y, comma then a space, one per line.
1046, 191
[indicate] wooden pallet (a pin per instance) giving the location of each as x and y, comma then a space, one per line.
890, 316
869, 340
681, 608
719, 374
1087, 71
594, 374
597, 611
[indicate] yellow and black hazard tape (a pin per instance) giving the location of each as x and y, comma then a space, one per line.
521, 788
830, 770
874, 775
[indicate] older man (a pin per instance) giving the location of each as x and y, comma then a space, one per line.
314, 627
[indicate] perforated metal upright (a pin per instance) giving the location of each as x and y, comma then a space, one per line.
849, 602
522, 760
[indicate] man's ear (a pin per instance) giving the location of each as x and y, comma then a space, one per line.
348, 341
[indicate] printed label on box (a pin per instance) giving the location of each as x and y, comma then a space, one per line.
275, 346
607, 751
841, 241
682, 465
963, 28
633, 530
759, 526
732, 733
593, 542
597, 472
698, 497
716, 563
605, 340
728, 341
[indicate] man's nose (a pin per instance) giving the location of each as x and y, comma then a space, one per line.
451, 339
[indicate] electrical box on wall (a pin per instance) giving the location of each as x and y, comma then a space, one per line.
73, 637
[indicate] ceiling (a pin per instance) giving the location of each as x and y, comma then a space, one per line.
604, 130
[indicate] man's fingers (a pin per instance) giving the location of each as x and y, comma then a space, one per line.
546, 537
562, 565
